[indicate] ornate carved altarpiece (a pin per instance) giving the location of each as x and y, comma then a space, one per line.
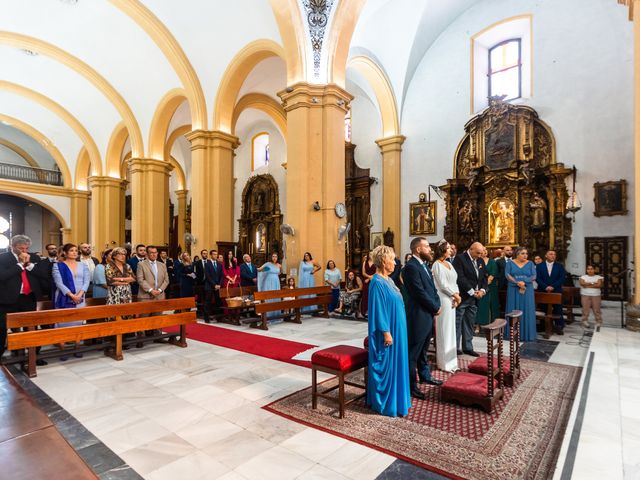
358, 203
507, 186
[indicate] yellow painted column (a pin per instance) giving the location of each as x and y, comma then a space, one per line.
107, 215
79, 216
182, 216
391, 148
149, 201
636, 82
212, 155
67, 236
315, 171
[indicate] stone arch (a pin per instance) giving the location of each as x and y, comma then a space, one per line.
264, 103
114, 150
32, 162
83, 166
178, 132
339, 37
182, 179
235, 75
161, 120
44, 205
291, 26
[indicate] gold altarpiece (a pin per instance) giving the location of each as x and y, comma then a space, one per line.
508, 188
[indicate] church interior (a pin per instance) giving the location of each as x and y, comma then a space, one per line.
331, 128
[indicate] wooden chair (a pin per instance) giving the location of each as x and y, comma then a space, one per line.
25, 335
511, 366
338, 361
548, 299
322, 298
484, 390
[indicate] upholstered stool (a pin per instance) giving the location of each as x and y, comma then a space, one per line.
338, 361
366, 342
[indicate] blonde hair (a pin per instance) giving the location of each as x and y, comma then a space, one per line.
118, 250
379, 254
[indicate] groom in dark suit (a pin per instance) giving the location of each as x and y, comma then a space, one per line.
472, 283
422, 305
550, 276
248, 272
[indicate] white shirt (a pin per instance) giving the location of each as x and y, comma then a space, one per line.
549, 267
88, 261
154, 269
590, 291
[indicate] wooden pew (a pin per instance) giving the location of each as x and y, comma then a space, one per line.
548, 299
233, 315
570, 300
30, 338
322, 298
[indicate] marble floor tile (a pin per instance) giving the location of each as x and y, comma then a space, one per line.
133, 435
314, 444
256, 391
195, 466
276, 463
320, 472
357, 462
173, 413
275, 429
208, 430
238, 448
157, 453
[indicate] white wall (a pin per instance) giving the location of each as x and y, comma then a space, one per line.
582, 88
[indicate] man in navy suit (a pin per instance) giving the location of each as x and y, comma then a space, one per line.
140, 255
550, 276
472, 283
213, 280
248, 272
422, 305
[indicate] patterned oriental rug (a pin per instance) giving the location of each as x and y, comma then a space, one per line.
521, 439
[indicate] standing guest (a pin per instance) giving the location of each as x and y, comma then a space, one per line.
119, 278
387, 386
213, 281
590, 288
306, 271
23, 277
200, 264
520, 274
100, 287
152, 276
333, 277
231, 271
51, 258
446, 281
269, 279
537, 259
248, 272
395, 275
163, 256
489, 306
141, 253
507, 253
52, 252
351, 293
72, 279
473, 286
186, 275
368, 270
407, 257
550, 276
454, 252
85, 257
422, 305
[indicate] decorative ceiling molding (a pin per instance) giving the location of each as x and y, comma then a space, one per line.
317, 13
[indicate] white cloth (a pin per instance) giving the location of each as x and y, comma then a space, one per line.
549, 267
590, 291
446, 281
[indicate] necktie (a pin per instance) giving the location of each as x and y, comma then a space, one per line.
154, 269
426, 269
26, 287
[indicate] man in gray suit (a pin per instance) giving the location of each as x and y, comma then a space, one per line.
153, 280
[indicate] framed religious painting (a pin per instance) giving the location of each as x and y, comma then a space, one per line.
422, 218
376, 240
610, 198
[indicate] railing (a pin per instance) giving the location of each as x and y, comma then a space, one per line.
30, 174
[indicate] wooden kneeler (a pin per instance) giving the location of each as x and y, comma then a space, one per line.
339, 361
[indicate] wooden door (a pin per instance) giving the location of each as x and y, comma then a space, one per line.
608, 255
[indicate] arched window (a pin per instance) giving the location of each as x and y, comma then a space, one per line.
259, 151
505, 69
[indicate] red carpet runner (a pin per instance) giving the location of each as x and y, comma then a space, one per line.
261, 345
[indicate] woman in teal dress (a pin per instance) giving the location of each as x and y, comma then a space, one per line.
269, 279
388, 373
520, 275
488, 306
306, 279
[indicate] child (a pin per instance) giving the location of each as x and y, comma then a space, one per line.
590, 285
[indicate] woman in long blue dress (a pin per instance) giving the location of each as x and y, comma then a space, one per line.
269, 279
388, 374
99, 278
520, 274
306, 270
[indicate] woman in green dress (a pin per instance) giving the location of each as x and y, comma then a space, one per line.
488, 306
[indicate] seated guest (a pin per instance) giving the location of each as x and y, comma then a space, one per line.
71, 279
520, 274
590, 285
100, 287
351, 294
387, 385
333, 278
550, 276
186, 275
248, 272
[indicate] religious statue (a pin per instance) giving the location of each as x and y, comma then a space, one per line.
501, 222
357, 240
538, 209
388, 237
466, 215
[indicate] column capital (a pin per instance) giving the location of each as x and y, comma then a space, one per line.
391, 144
212, 139
104, 181
149, 165
80, 194
181, 194
308, 95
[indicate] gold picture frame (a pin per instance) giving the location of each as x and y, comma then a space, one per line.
419, 221
610, 198
376, 240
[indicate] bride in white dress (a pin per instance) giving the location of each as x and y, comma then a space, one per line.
446, 280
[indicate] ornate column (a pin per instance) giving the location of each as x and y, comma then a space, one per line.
149, 201
315, 170
182, 216
79, 217
212, 155
107, 215
391, 149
